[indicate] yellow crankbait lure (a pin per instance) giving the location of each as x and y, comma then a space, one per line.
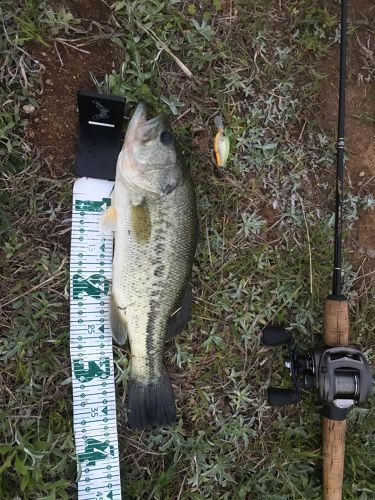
221, 144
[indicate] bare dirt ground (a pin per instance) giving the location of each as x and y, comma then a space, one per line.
222, 318
67, 70
53, 127
360, 132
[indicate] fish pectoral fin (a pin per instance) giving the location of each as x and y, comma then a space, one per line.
119, 325
180, 318
108, 220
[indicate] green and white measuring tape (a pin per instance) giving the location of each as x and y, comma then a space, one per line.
94, 401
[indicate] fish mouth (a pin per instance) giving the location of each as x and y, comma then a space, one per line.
139, 116
143, 129
147, 160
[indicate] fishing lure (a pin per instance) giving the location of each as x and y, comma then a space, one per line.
221, 144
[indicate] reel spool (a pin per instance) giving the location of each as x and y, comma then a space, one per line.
342, 375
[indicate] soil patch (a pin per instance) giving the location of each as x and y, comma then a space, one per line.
360, 132
53, 126
87, 11
366, 233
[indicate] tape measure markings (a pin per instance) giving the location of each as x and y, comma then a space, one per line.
94, 404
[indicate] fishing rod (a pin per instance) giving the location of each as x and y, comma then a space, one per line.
341, 374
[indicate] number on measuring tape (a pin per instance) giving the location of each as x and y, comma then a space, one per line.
94, 404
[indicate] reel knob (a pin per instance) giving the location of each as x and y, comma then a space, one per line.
274, 336
277, 396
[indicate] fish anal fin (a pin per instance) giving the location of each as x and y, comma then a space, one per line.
108, 220
119, 325
180, 318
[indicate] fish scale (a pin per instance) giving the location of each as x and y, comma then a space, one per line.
152, 272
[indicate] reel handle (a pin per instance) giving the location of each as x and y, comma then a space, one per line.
273, 336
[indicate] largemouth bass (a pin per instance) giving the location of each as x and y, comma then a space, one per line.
153, 214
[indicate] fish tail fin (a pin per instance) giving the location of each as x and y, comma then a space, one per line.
151, 403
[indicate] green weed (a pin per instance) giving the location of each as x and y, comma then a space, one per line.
253, 65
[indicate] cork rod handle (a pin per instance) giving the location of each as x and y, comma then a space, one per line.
336, 322
336, 333
333, 458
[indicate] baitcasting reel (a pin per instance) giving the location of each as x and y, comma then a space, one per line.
342, 375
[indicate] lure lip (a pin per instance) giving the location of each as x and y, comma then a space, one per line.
219, 122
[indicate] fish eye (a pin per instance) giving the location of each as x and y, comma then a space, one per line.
166, 137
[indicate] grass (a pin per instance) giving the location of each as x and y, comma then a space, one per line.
258, 66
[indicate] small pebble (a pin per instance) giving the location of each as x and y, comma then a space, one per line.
31, 134
49, 82
28, 109
361, 173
